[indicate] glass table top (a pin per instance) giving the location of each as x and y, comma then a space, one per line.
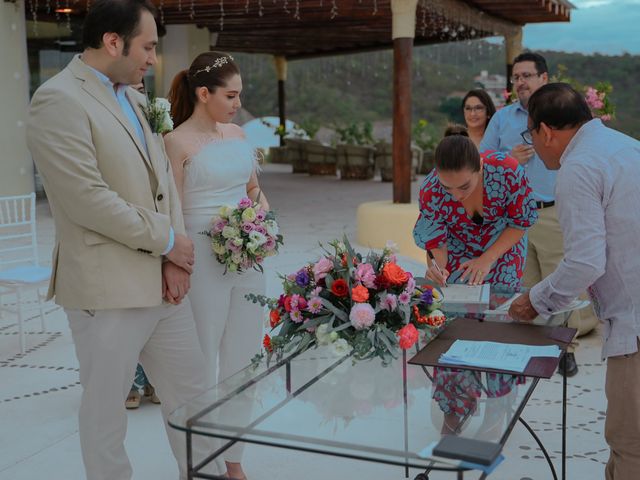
498, 308
321, 403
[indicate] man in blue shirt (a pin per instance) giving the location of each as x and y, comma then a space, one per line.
544, 248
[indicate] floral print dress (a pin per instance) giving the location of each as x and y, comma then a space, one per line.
507, 202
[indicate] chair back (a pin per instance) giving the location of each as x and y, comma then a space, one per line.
18, 244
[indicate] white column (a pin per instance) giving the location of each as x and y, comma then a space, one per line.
16, 166
178, 48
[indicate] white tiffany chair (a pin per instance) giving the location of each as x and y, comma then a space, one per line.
19, 269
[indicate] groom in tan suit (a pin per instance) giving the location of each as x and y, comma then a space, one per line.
120, 243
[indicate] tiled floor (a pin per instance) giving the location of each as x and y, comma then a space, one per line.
39, 392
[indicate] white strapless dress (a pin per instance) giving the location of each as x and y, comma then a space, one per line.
229, 327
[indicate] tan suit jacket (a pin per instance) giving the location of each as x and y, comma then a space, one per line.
113, 202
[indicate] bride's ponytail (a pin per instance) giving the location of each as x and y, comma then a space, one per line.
182, 98
209, 69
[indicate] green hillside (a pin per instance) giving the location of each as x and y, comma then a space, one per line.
340, 90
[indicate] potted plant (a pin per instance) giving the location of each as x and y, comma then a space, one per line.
355, 151
277, 154
384, 161
425, 136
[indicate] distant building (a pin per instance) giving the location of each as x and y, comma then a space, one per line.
494, 84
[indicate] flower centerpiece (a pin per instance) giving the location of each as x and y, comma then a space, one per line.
367, 306
244, 235
158, 113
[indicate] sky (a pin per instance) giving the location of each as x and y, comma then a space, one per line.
610, 27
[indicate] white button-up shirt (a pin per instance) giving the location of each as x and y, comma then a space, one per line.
597, 194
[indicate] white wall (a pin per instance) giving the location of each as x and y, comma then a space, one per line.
16, 167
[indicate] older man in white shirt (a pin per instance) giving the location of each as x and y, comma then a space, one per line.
597, 195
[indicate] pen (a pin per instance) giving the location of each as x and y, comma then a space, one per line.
434, 263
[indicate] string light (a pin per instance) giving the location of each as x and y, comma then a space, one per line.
221, 15
33, 6
334, 9
296, 14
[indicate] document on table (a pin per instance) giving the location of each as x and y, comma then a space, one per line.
462, 293
512, 357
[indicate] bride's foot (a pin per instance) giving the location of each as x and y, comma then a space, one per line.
234, 471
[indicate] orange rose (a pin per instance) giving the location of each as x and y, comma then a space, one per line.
274, 318
360, 294
394, 274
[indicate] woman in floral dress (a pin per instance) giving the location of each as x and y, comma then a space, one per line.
474, 213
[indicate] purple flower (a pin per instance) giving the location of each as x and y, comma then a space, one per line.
247, 227
302, 278
261, 215
427, 297
362, 316
245, 203
261, 229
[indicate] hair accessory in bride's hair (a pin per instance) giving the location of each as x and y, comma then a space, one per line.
220, 61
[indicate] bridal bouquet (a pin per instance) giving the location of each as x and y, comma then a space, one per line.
243, 236
366, 306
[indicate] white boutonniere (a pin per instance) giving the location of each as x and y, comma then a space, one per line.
158, 113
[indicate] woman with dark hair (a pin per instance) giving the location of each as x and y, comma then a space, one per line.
474, 213
478, 108
214, 165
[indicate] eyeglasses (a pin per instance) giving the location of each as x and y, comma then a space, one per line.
476, 108
526, 136
524, 76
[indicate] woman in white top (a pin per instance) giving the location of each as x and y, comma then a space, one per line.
214, 165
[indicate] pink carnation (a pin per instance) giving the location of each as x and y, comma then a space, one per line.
404, 298
321, 268
362, 316
407, 336
366, 275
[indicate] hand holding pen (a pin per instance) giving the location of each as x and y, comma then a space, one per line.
435, 273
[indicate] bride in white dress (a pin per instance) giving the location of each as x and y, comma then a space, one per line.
214, 165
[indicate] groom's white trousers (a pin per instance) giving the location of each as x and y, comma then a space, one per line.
108, 345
